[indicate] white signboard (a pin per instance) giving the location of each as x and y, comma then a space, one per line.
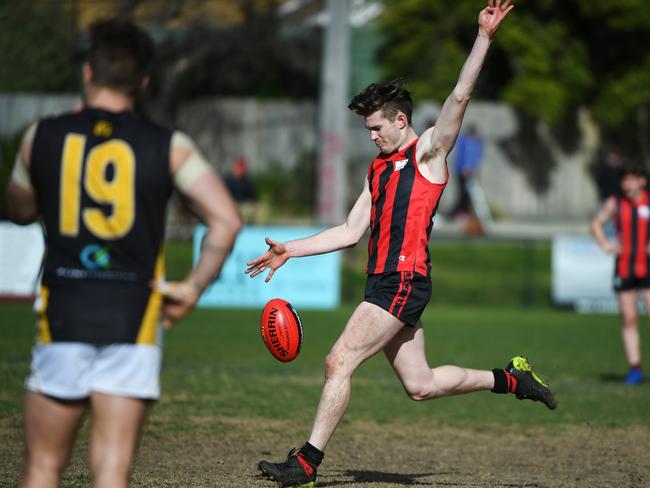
582, 275
21, 253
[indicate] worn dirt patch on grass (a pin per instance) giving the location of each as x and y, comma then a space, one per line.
223, 452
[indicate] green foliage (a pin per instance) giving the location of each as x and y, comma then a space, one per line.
548, 58
621, 96
36, 40
551, 69
421, 47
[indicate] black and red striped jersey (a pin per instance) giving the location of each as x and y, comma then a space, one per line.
631, 219
404, 203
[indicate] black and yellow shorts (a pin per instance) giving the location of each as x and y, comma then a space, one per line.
403, 294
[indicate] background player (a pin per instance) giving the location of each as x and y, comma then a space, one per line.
630, 213
398, 202
99, 179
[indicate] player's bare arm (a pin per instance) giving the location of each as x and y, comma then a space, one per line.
605, 213
332, 239
21, 199
212, 203
437, 142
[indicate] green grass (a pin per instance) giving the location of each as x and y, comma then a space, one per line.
491, 273
220, 383
215, 364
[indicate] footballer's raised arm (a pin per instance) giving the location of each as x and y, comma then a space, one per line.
437, 142
20, 197
210, 200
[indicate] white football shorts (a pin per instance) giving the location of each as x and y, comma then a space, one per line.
72, 370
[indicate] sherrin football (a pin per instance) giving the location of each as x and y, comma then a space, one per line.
281, 330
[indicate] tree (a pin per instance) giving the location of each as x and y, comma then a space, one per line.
36, 46
254, 58
551, 59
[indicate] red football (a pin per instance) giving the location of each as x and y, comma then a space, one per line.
281, 330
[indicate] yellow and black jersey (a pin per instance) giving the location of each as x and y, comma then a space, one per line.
102, 180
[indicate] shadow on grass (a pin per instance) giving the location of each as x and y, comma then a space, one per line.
380, 477
612, 378
402, 479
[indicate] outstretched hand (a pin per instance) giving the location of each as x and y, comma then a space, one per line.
272, 259
491, 16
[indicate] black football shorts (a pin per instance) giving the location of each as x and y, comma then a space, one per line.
403, 294
631, 283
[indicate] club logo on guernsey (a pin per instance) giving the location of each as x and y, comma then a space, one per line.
103, 128
644, 211
399, 165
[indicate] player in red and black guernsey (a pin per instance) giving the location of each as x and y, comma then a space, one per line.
99, 179
398, 203
630, 213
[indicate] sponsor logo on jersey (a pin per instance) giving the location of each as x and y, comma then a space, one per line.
93, 256
643, 211
399, 165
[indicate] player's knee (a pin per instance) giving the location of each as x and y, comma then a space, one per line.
629, 322
417, 392
334, 365
45, 463
417, 396
421, 394
115, 466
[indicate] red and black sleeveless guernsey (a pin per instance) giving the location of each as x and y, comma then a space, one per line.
102, 181
404, 203
631, 219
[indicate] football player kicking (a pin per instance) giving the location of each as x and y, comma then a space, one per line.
398, 203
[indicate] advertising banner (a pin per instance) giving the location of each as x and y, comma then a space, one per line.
308, 283
21, 253
582, 275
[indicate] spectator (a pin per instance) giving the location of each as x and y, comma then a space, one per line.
242, 188
608, 173
469, 152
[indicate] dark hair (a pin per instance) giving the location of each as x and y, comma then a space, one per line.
634, 169
120, 53
389, 96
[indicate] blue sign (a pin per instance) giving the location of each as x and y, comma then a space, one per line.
312, 282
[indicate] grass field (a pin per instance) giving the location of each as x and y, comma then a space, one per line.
227, 403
